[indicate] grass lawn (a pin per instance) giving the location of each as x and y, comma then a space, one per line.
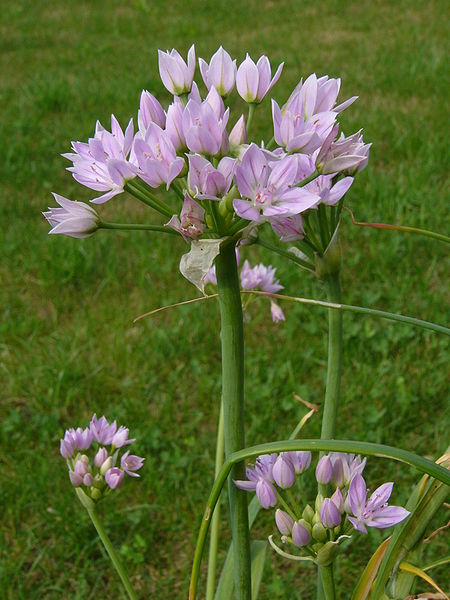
68, 345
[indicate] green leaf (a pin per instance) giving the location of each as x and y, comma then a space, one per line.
225, 587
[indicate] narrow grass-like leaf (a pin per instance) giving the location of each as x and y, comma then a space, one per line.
405, 566
364, 585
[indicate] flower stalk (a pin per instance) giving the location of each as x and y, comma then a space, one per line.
232, 339
112, 553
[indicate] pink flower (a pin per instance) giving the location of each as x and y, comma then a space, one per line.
238, 134
204, 126
75, 219
207, 182
131, 463
176, 75
345, 154
114, 477
276, 312
150, 111
220, 73
253, 81
191, 222
269, 187
102, 163
157, 158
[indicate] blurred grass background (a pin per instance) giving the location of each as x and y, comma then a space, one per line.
68, 346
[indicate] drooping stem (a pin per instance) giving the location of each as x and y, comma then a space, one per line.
215, 521
112, 554
232, 339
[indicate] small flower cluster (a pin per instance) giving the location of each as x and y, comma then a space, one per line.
319, 530
98, 476
224, 180
259, 278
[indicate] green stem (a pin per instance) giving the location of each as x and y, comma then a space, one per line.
232, 338
251, 111
327, 582
139, 192
308, 179
333, 288
112, 554
329, 418
136, 227
215, 521
303, 263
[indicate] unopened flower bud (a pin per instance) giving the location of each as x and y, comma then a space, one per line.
319, 532
318, 503
95, 494
100, 457
300, 533
106, 465
283, 472
324, 470
338, 500
329, 514
88, 480
81, 467
284, 522
75, 479
308, 513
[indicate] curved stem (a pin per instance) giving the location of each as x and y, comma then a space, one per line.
112, 554
215, 521
142, 194
136, 227
367, 448
232, 338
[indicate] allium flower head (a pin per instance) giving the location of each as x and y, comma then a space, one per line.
75, 219
374, 512
220, 73
254, 81
176, 75
99, 473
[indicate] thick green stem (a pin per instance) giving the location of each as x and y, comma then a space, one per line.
112, 554
327, 582
232, 337
215, 521
333, 288
330, 408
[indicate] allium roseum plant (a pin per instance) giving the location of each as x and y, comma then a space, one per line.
211, 183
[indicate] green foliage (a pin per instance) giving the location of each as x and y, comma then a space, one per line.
68, 345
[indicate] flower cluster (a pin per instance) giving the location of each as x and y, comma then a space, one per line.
319, 530
105, 470
259, 278
224, 180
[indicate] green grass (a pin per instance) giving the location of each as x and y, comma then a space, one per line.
68, 345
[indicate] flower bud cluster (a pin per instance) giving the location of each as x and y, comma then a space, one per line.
320, 528
224, 180
104, 470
